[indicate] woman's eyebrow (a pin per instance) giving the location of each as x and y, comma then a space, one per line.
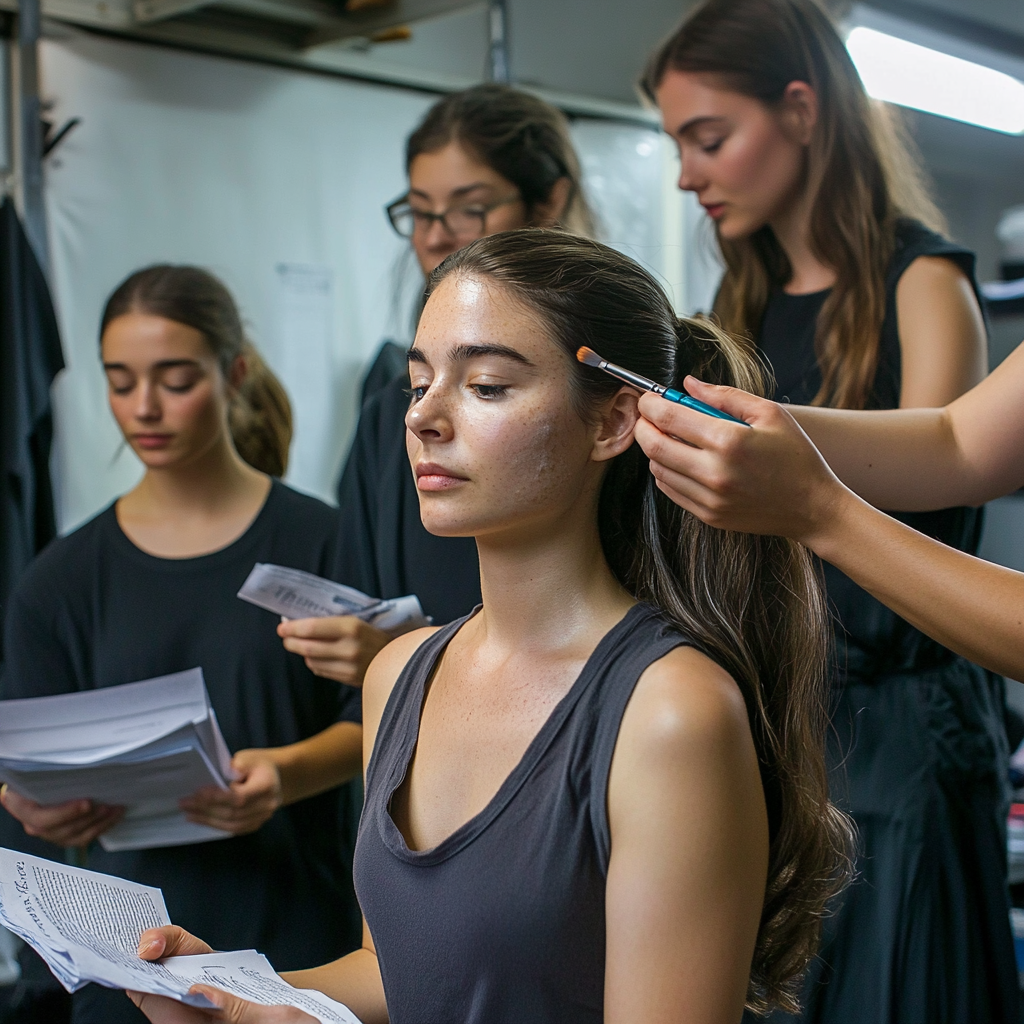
461, 353
455, 193
697, 122
164, 364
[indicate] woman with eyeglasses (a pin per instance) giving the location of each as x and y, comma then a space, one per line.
484, 160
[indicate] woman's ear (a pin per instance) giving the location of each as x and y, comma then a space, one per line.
615, 428
236, 374
548, 213
799, 109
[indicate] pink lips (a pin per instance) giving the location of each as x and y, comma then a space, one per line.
153, 441
432, 477
714, 210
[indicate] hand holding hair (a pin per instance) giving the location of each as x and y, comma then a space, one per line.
770, 480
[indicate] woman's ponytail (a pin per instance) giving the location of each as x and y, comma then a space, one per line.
753, 604
260, 417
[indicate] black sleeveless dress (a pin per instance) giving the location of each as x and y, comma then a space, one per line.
503, 922
919, 757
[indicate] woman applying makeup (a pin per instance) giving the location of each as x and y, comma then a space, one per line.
772, 480
148, 588
600, 797
832, 271
484, 160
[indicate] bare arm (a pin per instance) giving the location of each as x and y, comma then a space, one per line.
772, 480
958, 439
689, 829
914, 460
943, 345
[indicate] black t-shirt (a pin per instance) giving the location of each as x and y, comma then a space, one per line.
386, 551
94, 610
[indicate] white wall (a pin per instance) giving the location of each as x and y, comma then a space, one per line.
275, 180
239, 168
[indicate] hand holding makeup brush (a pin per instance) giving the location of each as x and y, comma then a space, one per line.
769, 480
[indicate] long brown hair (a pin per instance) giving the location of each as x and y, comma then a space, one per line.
520, 136
753, 604
859, 169
259, 413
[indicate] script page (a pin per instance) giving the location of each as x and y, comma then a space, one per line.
92, 725
85, 925
249, 975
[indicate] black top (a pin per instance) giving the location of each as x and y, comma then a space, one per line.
94, 610
385, 549
871, 638
504, 921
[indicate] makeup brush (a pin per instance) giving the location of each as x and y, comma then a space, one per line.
590, 358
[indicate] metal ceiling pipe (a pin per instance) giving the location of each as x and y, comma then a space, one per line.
31, 130
497, 64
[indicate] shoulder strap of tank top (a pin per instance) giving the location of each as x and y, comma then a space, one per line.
405, 702
649, 638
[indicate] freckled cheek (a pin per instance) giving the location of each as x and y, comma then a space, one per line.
527, 456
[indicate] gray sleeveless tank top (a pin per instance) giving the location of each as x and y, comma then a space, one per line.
503, 922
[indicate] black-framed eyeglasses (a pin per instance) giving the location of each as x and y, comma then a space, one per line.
464, 221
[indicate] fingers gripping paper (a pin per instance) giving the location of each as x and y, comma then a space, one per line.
140, 745
86, 926
298, 595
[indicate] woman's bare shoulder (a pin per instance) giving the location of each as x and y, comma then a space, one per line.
684, 704
385, 669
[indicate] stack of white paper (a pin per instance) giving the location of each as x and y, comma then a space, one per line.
142, 745
86, 926
295, 594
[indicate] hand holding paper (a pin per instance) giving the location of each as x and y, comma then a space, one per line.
248, 802
142, 746
295, 594
162, 1010
337, 630
338, 648
74, 823
87, 927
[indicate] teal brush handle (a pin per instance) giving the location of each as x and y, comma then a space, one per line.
695, 403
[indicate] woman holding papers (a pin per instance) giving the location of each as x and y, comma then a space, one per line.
148, 588
483, 160
601, 798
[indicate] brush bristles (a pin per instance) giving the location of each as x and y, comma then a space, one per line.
588, 356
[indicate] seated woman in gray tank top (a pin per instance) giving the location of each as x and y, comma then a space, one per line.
600, 797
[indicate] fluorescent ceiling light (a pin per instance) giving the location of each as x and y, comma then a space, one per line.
915, 76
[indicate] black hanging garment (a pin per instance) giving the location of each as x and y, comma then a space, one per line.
30, 357
385, 549
918, 757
